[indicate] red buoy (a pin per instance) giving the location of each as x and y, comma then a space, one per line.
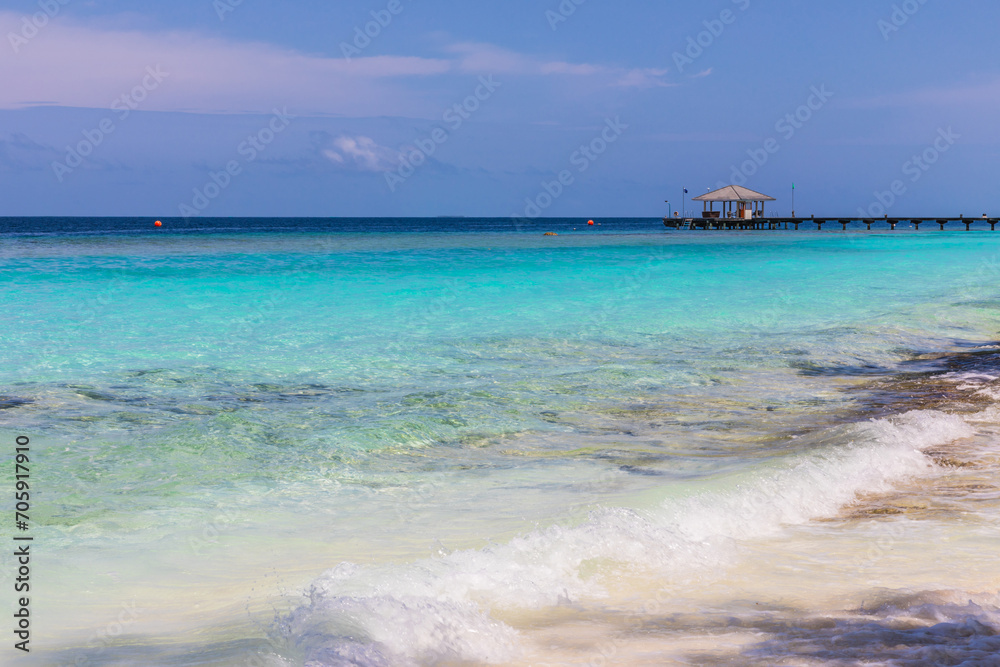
158, 223
590, 222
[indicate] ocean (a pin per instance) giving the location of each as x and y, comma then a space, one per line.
457, 441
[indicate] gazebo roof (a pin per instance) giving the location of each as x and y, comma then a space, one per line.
734, 193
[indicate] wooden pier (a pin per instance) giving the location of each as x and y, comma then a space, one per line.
743, 209
776, 223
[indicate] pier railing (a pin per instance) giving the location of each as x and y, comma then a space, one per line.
776, 223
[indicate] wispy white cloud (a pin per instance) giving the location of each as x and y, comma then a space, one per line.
474, 57
74, 65
644, 78
481, 58
69, 64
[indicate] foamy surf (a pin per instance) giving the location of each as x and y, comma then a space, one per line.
446, 608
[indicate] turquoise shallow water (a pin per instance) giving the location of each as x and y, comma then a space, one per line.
221, 417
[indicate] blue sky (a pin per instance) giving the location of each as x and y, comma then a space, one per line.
206, 107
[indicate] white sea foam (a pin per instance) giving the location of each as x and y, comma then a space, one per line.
983, 384
440, 609
969, 377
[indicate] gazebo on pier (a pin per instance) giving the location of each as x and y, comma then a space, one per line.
749, 204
